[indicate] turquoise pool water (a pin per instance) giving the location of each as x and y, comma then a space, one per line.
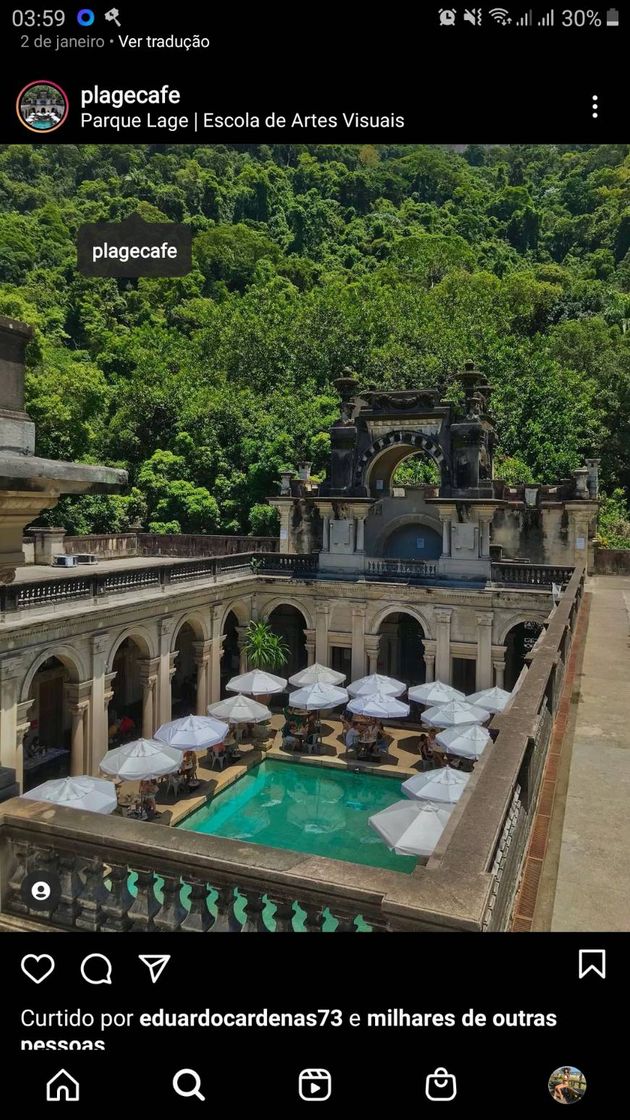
314, 809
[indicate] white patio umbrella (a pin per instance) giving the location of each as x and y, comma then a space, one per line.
434, 693
316, 674
443, 785
493, 699
257, 683
318, 697
454, 713
141, 759
467, 740
380, 705
239, 709
376, 682
94, 794
411, 828
192, 733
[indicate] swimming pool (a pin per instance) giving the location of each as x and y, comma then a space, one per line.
320, 810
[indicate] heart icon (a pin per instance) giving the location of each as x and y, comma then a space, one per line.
37, 968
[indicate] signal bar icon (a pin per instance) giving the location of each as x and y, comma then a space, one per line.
546, 21
527, 20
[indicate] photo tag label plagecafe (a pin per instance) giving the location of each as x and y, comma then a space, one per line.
134, 248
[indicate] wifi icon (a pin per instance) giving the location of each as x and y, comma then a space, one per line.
500, 15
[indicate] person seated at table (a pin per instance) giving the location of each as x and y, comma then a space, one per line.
113, 730
351, 737
231, 744
148, 790
426, 754
126, 725
289, 738
347, 721
382, 740
189, 768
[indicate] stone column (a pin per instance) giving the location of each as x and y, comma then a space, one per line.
372, 643
11, 670
325, 533
360, 534
78, 697
443, 644
148, 670
98, 708
429, 660
108, 694
164, 707
446, 513
358, 640
484, 651
580, 514
499, 672
22, 725
284, 507
242, 637
202, 653
217, 653
309, 642
322, 617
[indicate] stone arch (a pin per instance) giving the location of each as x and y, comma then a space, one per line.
399, 645
518, 644
240, 609
143, 638
515, 620
407, 519
291, 624
398, 608
413, 442
196, 622
58, 697
288, 601
67, 655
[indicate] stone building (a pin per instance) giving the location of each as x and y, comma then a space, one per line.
452, 581
464, 579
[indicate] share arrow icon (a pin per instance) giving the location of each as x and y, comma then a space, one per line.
156, 963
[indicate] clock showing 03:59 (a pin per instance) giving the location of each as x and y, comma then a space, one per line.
48, 18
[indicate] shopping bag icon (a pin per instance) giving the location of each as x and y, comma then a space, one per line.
440, 1086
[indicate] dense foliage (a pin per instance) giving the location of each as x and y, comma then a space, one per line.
399, 262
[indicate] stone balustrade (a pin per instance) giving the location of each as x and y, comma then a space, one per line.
520, 574
25, 595
122, 875
110, 546
409, 571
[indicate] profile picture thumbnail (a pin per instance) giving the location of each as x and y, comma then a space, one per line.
567, 1085
42, 106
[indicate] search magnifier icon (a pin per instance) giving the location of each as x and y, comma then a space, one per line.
185, 1074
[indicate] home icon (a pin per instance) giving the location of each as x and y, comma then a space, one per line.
62, 1087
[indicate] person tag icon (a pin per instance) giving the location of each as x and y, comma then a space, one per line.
440, 1086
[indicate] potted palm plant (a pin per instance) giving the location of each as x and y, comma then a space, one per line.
265, 650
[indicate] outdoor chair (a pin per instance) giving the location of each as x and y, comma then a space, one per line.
220, 757
175, 784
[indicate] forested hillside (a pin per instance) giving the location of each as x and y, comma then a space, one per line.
399, 262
